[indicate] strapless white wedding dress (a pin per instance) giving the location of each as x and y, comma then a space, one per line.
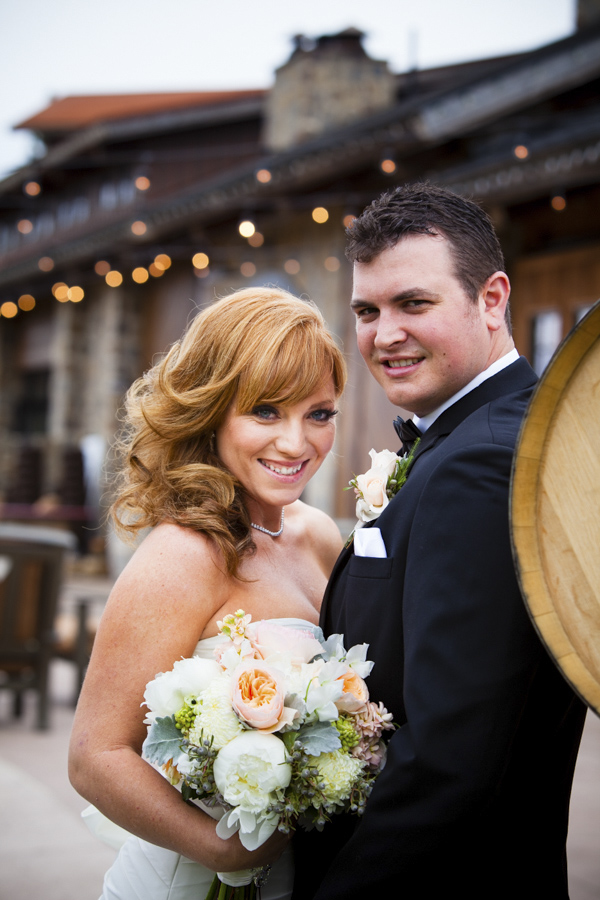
144, 871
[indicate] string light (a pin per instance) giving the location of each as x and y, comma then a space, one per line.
32, 188
558, 203
349, 220
140, 275
257, 239
76, 294
200, 260
61, 293
388, 166
102, 267
25, 226
162, 261
320, 214
246, 228
155, 271
521, 151
8, 309
46, 264
291, 266
139, 227
332, 264
248, 269
26, 302
142, 183
264, 176
113, 278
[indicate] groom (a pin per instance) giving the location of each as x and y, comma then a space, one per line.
474, 798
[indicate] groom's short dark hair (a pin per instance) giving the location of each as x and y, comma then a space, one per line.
427, 209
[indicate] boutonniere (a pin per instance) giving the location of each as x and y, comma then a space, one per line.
376, 487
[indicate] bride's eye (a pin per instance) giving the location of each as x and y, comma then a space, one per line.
323, 415
266, 413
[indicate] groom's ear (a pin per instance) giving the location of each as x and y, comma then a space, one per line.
494, 297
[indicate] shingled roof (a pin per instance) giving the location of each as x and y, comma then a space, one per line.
73, 113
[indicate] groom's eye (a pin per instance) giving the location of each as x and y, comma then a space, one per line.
362, 313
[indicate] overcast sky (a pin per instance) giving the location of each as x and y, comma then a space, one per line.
54, 48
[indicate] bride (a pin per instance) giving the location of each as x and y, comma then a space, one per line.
222, 437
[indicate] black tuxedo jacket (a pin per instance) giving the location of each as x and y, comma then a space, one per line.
474, 797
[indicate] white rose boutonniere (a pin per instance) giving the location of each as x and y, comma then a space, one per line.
375, 488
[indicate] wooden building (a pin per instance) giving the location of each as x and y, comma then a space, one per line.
132, 218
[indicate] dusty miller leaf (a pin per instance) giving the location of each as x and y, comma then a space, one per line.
163, 741
320, 737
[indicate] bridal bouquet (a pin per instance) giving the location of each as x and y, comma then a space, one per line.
278, 729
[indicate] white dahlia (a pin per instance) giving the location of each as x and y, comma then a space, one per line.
216, 717
338, 772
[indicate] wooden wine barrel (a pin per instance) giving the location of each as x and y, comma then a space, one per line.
555, 508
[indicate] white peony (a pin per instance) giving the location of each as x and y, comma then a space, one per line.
215, 716
248, 772
169, 691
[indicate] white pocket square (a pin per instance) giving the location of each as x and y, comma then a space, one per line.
368, 542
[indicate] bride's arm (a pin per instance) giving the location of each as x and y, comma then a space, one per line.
155, 615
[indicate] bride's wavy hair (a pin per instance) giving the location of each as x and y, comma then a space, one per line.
254, 346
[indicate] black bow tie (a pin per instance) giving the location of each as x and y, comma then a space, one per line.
408, 433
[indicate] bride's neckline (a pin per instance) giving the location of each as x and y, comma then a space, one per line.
289, 621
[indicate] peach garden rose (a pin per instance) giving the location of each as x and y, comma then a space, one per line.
258, 695
356, 692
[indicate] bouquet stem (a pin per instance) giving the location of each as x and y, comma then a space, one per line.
220, 891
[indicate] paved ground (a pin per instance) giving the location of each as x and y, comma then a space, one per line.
46, 851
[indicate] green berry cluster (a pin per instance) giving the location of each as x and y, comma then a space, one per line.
184, 718
347, 732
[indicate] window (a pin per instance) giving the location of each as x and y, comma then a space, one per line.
547, 335
31, 409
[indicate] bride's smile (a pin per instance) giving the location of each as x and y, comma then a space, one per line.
284, 470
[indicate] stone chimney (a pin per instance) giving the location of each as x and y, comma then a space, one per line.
325, 84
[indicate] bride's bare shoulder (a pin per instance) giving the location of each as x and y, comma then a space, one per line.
319, 531
176, 558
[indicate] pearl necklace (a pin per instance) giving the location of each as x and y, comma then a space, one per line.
266, 530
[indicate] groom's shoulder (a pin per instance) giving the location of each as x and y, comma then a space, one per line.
504, 415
